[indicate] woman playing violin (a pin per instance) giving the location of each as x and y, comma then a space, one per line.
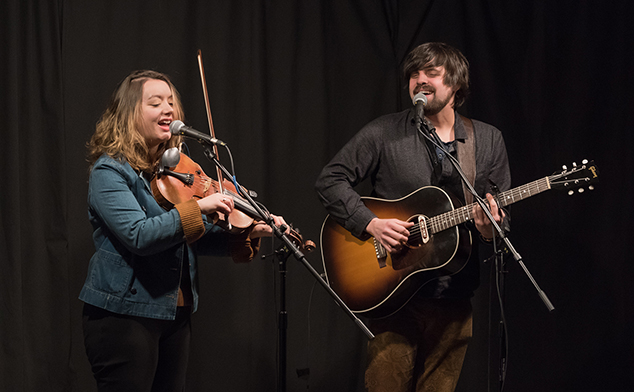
141, 286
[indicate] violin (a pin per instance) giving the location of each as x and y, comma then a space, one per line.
187, 180
179, 179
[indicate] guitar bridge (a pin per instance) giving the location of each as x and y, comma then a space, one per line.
381, 253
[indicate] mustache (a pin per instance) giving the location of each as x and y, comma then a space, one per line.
424, 87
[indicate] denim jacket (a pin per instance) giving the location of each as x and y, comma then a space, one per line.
139, 246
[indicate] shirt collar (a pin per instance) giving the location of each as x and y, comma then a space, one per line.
460, 133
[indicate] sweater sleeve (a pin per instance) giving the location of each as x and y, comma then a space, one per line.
336, 182
191, 220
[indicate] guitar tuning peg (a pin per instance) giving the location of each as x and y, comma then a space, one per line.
585, 161
571, 192
591, 187
580, 190
574, 164
564, 167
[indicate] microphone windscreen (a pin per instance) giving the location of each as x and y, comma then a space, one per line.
175, 126
420, 97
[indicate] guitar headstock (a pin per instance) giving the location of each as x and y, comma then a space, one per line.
579, 177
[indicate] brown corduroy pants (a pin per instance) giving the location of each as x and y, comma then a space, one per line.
419, 348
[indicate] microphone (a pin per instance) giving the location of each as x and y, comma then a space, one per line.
177, 127
420, 101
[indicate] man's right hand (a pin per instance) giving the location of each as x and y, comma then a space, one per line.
391, 233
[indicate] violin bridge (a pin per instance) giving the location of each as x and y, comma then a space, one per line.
207, 182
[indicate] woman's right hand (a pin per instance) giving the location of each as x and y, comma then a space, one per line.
216, 202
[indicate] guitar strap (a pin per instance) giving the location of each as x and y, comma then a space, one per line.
466, 157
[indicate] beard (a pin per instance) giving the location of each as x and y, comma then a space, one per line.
437, 104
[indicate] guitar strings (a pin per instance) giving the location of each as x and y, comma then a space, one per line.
454, 217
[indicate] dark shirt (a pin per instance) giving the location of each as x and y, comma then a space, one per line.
392, 153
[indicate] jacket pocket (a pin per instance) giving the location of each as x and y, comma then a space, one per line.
110, 272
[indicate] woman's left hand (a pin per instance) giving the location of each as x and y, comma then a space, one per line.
261, 229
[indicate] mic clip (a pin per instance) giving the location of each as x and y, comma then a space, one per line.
185, 178
425, 126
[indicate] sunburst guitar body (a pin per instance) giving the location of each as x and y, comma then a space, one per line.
376, 284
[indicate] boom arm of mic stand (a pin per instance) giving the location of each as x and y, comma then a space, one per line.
429, 132
300, 256
295, 250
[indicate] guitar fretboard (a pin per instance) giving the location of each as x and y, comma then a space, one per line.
460, 215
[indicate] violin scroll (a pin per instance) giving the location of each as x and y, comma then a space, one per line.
297, 240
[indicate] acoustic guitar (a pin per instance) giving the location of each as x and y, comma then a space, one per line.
376, 284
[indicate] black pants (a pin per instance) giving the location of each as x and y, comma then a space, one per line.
137, 354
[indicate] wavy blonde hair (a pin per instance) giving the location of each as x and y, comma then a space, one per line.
117, 132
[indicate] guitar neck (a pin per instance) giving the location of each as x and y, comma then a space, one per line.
460, 215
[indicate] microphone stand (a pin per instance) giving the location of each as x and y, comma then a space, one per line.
429, 132
282, 253
500, 265
287, 248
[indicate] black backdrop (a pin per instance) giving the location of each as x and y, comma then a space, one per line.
290, 82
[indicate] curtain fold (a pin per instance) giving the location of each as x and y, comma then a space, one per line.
35, 317
290, 82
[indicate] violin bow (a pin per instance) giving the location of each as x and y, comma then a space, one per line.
209, 119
